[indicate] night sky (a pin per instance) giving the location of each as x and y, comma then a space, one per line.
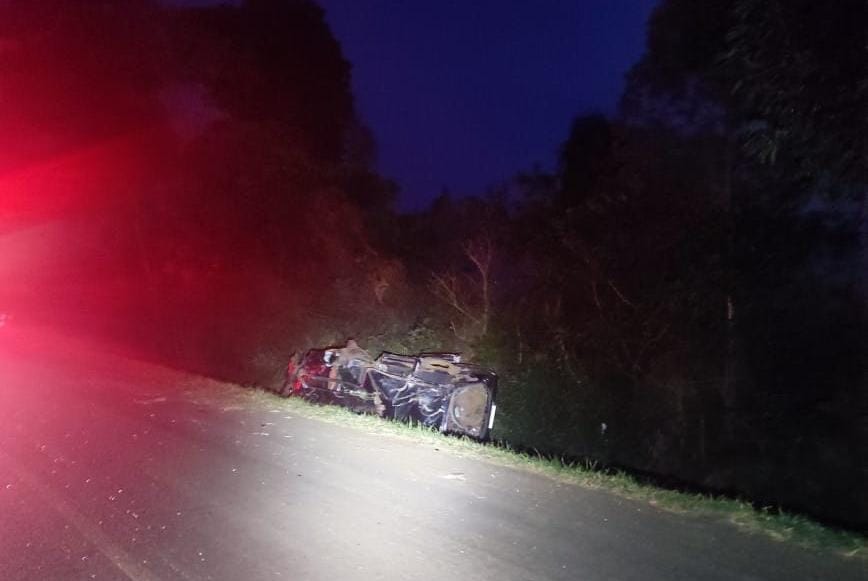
465, 94
462, 95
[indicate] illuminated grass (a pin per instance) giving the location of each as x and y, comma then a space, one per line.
778, 525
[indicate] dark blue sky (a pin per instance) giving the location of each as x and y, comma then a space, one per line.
462, 94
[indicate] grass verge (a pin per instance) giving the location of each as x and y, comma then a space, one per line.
778, 525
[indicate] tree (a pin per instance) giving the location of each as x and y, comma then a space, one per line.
272, 62
680, 81
784, 82
469, 296
775, 74
799, 66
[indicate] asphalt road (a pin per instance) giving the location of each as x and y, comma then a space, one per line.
116, 469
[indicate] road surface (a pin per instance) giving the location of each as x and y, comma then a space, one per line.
117, 469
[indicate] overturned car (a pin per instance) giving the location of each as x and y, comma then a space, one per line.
434, 389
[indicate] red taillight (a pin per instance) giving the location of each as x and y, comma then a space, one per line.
291, 368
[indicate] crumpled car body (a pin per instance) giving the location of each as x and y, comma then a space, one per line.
434, 389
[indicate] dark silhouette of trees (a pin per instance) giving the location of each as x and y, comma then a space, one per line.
214, 159
799, 67
272, 62
694, 265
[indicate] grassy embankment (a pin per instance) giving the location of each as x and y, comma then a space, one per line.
770, 522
